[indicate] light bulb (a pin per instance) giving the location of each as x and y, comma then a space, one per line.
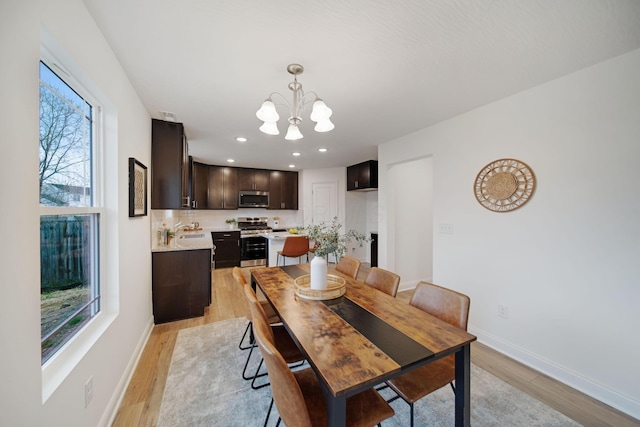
324, 125
293, 133
320, 111
267, 112
270, 128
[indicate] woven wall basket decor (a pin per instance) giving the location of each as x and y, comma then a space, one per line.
504, 185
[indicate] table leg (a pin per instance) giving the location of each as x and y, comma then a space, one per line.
336, 408
463, 386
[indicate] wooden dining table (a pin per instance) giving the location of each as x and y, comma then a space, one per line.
363, 338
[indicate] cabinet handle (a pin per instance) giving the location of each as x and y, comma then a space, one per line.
194, 204
187, 202
356, 184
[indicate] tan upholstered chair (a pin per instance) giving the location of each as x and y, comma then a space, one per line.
272, 318
453, 308
281, 338
299, 398
294, 247
349, 266
383, 280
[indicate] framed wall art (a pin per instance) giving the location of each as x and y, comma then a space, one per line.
137, 188
504, 185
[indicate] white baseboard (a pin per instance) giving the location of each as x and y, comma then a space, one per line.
116, 399
601, 392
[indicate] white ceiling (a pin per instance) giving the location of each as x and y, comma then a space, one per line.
385, 68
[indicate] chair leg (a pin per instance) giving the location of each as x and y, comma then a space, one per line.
278, 423
246, 364
258, 375
268, 413
246, 331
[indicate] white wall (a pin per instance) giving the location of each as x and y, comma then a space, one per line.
410, 213
128, 266
566, 264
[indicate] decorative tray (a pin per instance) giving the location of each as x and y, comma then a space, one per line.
336, 287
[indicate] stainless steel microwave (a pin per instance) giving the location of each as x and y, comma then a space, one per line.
253, 199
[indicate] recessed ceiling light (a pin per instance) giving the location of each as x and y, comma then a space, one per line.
241, 139
292, 166
322, 150
295, 153
230, 160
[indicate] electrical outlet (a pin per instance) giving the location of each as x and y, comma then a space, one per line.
503, 311
88, 391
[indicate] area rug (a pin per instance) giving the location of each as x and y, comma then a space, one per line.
205, 388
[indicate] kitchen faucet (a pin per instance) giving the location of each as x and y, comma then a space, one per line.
180, 225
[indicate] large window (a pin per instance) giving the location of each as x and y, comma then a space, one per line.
69, 211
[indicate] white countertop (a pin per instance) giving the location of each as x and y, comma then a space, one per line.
187, 241
279, 235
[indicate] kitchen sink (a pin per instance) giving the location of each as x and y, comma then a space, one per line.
193, 241
192, 236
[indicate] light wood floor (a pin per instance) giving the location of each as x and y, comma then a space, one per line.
141, 403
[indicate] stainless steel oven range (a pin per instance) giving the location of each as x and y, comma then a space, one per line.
253, 248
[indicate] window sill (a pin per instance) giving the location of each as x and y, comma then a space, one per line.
61, 364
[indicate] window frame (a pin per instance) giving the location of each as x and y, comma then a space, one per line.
61, 364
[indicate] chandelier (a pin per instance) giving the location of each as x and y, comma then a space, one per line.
319, 114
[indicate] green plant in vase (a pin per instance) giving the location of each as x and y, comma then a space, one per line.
328, 240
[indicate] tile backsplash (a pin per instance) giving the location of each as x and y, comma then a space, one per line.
215, 219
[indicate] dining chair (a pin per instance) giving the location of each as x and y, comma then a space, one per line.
298, 395
280, 337
349, 266
453, 308
383, 280
294, 246
272, 318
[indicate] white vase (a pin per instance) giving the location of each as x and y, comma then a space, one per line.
318, 273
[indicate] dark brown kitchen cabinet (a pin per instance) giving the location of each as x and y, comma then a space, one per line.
169, 166
283, 190
181, 284
223, 187
199, 185
363, 176
227, 244
253, 179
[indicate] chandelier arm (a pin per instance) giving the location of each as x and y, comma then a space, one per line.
304, 102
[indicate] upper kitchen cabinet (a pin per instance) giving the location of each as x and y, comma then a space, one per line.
199, 185
169, 166
283, 190
363, 176
253, 179
223, 187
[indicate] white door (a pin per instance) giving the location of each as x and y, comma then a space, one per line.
324, 201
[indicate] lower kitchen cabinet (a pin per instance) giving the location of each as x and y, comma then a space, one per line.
227, 244
181, 284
